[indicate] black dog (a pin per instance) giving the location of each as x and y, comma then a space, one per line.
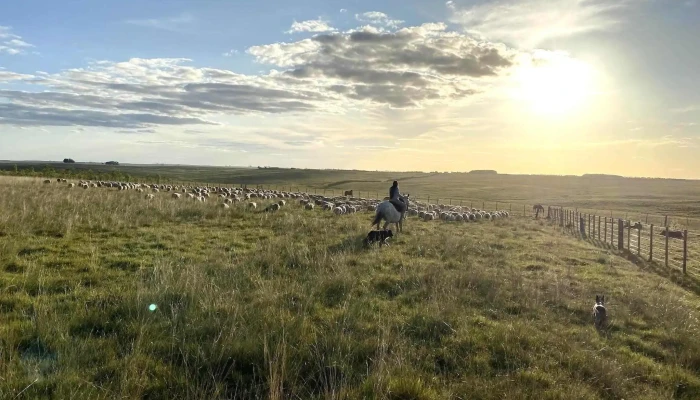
378, 236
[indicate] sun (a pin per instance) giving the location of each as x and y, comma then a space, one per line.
555, 85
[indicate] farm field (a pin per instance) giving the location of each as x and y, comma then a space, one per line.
631, 198
290, 304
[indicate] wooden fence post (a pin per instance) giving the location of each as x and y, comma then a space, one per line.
620, 234
639, 240
666, 258
599, 227
651, 243
605, 230
629, 230
685, 249
666, 221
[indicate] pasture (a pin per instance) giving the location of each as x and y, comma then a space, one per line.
625, 197
290, 305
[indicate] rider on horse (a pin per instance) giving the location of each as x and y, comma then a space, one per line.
396, 199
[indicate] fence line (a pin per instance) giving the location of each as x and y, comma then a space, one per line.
624, 235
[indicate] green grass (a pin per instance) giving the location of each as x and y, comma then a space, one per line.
289, 305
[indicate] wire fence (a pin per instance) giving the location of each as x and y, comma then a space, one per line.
660, 244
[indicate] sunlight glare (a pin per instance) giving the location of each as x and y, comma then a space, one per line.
555, 86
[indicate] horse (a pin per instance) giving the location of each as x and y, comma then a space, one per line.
537, 208
348, 193
387, 212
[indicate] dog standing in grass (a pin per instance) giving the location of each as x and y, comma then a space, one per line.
600, 313
380, 237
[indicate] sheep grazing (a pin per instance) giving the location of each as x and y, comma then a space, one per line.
47, 181
176, 195
309, 206
252, 205
672, 234
71, 185
224, 206
150, 196
281, 203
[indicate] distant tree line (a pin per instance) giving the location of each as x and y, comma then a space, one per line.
47, 171
69, 161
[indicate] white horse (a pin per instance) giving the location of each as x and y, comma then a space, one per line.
387, 212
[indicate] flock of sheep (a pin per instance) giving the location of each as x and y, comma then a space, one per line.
340, 205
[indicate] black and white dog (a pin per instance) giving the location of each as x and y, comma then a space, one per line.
600, 313
378, 236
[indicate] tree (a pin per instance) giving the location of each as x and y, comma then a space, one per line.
112, 163
69, 161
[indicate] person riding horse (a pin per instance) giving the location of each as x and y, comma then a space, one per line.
396, 199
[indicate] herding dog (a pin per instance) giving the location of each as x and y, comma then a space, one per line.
378, 236
600, 314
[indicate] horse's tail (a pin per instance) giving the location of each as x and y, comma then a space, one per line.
377, 218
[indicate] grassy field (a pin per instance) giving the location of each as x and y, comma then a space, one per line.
290, 305
631, 198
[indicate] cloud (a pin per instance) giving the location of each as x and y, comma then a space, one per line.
230, 53
402, 69
683, 110
343, 10
312, 25
531, 22
175, 23
7, 76
12, 44
378, 18
361, 70
141, 93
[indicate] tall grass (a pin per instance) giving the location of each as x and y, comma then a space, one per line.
290, 305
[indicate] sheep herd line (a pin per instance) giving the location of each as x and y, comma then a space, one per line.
249, 197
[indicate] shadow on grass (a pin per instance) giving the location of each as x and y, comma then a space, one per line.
352, 244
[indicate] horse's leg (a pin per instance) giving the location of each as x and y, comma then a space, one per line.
386, 225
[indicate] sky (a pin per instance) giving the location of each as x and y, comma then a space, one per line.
519, 86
